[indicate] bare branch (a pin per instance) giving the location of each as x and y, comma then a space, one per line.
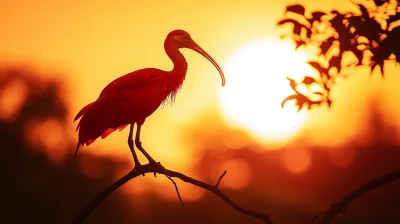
341, 206
149, 168
220, 178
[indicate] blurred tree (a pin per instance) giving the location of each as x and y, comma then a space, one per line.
34, 188
366, 38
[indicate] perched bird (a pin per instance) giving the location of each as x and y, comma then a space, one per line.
130, 99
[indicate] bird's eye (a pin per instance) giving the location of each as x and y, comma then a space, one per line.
184, 36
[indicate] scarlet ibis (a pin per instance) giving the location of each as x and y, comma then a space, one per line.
130, 99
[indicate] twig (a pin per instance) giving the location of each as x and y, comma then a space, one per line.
176, 188
148, 168
317, 216
341, 206
220, 178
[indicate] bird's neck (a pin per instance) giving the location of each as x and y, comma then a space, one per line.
178, 73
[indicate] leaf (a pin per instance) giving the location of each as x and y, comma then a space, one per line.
299, 43
291, 97
374, 64
298, 9
364, 11
308, 80
297, 26
329, 102
318, 67
317, 15
393, 18
309, 32
296, 30
284, 21
292, 83
301, 100
380, 2
336, 62
326, 45
359, 55
334, 12
326, 87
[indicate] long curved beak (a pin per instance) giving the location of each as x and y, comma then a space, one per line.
199, 50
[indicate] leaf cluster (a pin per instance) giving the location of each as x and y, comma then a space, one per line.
368, 37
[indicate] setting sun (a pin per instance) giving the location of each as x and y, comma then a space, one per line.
257, 85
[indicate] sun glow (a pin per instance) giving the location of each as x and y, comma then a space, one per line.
256, 85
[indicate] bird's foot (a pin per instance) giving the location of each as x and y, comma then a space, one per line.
139, 168
157, 167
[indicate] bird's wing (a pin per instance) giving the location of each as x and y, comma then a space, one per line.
130, 99
134, 80
136, 103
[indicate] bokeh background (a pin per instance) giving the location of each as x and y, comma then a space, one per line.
55, 57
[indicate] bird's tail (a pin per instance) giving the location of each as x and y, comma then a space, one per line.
83, 111
77, 147
80, 143
79, 115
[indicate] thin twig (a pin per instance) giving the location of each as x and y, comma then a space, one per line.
176, 188
317, 216
149, 168
341, 206
220, 178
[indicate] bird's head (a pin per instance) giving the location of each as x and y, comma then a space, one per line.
182, 39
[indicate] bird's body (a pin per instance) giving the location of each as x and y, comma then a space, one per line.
133, 97
128, 99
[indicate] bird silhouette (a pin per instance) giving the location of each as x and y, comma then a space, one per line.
130, 99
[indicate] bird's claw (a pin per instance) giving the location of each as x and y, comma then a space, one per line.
139, 168
157, 166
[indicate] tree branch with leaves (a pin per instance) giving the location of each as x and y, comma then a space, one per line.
367, 38
345, 41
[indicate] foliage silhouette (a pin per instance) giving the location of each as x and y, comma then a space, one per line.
345, 41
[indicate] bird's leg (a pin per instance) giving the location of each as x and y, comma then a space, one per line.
131, 147
140, 147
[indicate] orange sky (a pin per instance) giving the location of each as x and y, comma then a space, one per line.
93, 42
